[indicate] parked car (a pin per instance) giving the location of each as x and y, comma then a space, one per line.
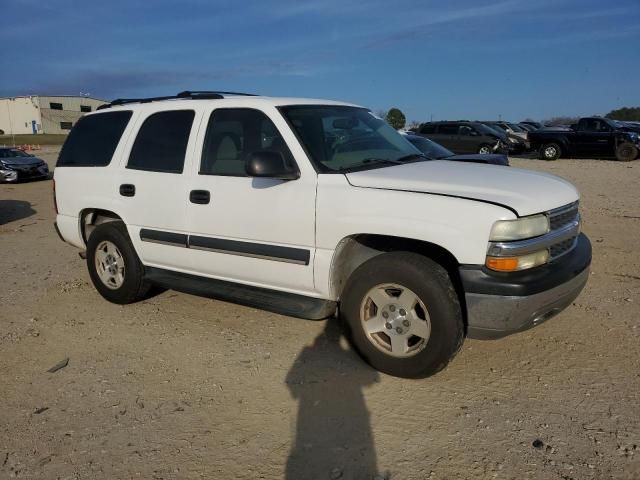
527, 127
464, 137
301, 206
592, 137
17, 165
435, 151
517, 135
536, 125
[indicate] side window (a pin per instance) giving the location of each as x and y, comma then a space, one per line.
233, 134
93, 140
465, 130
448, 129
428, 129
161, 144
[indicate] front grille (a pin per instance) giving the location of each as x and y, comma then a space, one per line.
561, 248
559, 218
562, 216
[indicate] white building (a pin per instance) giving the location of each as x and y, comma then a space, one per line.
43, 114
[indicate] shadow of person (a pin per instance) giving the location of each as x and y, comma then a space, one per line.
12, 210
333, 432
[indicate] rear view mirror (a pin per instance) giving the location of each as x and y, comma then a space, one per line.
346, 123
270, 164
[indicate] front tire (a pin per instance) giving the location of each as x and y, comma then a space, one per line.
626, 152
114, 266
550, 151
485, 149
402, 314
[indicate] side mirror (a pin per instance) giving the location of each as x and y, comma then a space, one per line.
270, 164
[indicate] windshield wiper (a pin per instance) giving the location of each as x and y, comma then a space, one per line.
381, 160
412, 156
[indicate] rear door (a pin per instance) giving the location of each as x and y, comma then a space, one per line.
450, 138
257, 231
152, 189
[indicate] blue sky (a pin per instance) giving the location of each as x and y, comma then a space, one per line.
450, 60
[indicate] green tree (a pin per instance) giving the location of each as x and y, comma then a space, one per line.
396, 118
625, 114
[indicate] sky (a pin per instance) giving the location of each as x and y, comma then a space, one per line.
459, 59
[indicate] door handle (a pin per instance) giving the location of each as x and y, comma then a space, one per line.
201, 197
127, 190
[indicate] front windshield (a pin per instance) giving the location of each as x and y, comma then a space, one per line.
431, 150
489, 129
12, 152
342, 139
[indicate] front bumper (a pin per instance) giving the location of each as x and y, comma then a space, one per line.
12, 175
501, 304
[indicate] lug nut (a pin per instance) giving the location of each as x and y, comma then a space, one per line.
398, 329
385, 315
388, 325
403, 312
406, 323
392, 308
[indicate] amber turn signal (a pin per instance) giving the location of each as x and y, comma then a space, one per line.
513, 264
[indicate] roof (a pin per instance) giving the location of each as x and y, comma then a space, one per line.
234, 100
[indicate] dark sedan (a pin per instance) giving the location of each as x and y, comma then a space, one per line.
435, 151
17, 165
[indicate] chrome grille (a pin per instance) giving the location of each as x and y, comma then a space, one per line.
562, 216
559, 218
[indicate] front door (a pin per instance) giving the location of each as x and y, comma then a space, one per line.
594, 137
257, 231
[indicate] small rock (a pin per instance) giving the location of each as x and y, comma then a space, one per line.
335, 474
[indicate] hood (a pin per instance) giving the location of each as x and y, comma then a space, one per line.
491, 158
525, 191
21, 161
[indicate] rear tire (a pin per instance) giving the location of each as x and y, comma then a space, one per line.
626, 152
550, 151
114, 266
416, 321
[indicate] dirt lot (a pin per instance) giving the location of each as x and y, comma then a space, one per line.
185, 387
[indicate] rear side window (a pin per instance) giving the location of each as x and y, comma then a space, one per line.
448, 129
428, 129
161, 144
93, 140
233, 134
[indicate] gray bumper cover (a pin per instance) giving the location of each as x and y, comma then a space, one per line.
495, 316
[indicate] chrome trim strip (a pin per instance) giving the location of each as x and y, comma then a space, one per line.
531, 245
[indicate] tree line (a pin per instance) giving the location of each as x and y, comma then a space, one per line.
398, 120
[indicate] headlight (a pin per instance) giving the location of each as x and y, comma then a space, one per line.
521, 228
522, 262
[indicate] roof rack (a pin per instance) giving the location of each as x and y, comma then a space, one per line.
187, 94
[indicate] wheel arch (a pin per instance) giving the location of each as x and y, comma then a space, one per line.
354, 250
90, 218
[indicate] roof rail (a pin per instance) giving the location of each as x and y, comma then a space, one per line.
187, 94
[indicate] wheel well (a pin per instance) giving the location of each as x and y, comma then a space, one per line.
90, 218
354, 250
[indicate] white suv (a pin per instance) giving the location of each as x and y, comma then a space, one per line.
312, 207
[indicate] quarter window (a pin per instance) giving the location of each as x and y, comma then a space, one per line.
161, 144
233, 134
93, 140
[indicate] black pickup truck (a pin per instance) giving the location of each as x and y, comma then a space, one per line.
591, 137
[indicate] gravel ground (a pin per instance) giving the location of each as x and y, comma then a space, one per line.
185, 387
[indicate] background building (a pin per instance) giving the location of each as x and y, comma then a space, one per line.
43, 114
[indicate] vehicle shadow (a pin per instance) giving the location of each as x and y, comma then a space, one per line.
12, 210
333, 436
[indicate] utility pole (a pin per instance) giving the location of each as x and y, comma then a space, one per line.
13, 135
